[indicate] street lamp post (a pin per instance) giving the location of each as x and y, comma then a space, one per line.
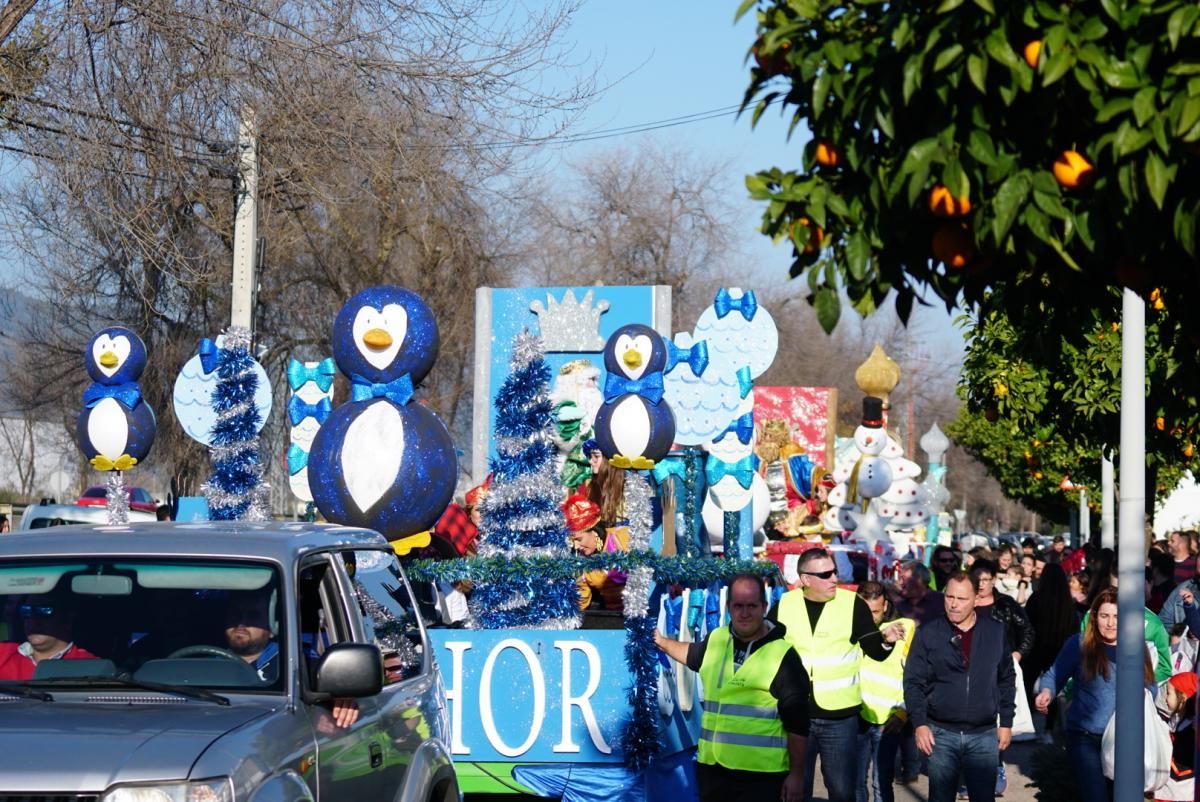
935, 444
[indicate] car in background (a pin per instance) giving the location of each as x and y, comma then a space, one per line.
40, 516
139, 498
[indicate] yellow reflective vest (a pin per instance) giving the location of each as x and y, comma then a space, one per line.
881, 683
741, 728
827, 653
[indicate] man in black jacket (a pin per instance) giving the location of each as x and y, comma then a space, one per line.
958, 678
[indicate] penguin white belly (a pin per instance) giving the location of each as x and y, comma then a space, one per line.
630, 427
108, 428
371, 453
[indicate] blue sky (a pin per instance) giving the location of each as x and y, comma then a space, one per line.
671, 58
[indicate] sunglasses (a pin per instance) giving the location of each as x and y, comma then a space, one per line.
830, 574
30, 610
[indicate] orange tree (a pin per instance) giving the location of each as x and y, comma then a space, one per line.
941, 159
1023, 160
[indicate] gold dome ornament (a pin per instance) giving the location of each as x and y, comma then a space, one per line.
878, 375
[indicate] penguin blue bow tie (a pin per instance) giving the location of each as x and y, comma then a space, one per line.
299, 409
209, 352
717, 469
399, 391
297, 459
696, 356
743, 427
127, 393
299, 374
724, 304
649, 387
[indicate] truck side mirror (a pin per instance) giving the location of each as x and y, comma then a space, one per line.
349, 670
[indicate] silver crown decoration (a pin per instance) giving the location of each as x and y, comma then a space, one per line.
570, 325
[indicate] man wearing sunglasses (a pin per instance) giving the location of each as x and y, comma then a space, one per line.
48, 621
828, 626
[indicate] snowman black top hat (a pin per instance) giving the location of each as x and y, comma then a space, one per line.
872, 416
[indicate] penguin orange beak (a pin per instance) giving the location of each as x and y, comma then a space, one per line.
377, 339
108, 360
632, 359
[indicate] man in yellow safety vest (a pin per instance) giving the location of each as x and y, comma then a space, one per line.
755, 722
829, 626
882, 686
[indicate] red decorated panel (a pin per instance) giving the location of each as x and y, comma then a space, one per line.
809, 410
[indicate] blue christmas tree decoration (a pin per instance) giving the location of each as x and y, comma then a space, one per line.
521, 516
235, 490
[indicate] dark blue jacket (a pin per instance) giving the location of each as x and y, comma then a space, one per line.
939, 690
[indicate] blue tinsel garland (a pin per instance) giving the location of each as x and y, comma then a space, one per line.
234, 489
639, 738
696, 572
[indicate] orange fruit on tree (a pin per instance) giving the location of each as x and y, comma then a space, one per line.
1031, 53
1188, 451
943, 203
1156, 299
807, 235
828, 155
953, 245
1073, 171
1160, 423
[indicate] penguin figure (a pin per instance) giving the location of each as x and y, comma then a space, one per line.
635, 427
116, 427
379, 461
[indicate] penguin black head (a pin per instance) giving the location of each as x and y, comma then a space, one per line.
635, 350
115, 355
383, 333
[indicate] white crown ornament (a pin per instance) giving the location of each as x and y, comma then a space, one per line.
570, 325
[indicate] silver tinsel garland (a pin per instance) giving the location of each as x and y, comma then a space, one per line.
636, 595
118, 498
638, 511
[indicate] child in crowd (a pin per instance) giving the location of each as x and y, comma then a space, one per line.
1180, 690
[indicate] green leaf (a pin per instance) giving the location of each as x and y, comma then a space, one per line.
949, 5
1112, 10
1007, 204
858, 255
956, 179
1175, 26
904, 304
977, 71
1120, 75
1066, 257
1051, 205
1158, 178
980, 147
1143, 105
743, 8
1185, 226
757, 186
1058, 65
1038, 223
1114, 107
987, 6
883, 118
1093, 29
912, 75
1130, 139
1188, 115
918, 155
999, 49
947, 57
829, 308
820, 92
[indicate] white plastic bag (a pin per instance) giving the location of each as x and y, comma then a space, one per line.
1158, 747
1022, 728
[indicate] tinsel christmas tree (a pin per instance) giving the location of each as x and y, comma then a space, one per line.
521, 516
235, 489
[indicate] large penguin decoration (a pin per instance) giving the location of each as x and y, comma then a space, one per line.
116, 427
378, 460
635, 427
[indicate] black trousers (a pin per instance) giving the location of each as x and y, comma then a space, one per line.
719, 784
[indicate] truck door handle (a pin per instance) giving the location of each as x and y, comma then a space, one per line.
376, 756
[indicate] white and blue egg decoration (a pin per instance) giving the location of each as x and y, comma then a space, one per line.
116, 427
635, 427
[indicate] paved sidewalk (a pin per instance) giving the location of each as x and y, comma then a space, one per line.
1018, 760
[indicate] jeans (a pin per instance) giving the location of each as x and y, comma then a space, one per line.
971, 755
878, 748
1083, 753
836, 741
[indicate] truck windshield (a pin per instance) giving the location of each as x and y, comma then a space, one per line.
202, 623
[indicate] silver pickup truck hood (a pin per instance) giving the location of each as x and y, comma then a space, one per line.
82, 747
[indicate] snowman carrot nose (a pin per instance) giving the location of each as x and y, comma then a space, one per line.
378, 339
108, 359
632, 358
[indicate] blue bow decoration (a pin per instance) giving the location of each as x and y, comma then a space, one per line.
667, 467
695, 613
696, 356
674, 614
745, 381
724, 304
398, 391
297, 459
129, 394
299, 409
743, 427
299, 375
208, 355
717, 469
712, 606
649, 387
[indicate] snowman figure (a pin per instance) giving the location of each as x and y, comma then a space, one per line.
867, 478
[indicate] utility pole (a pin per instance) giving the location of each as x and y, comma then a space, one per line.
245, 225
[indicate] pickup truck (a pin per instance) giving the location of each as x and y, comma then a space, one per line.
217, 662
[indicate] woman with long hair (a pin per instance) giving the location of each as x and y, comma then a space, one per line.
1090, 659
1052, 612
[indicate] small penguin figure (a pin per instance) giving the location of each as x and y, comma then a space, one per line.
635, 427
116, 427
379, 461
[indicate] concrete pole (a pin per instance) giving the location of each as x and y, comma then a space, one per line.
245, 225
1108, 538
1085, 518
1131, 558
